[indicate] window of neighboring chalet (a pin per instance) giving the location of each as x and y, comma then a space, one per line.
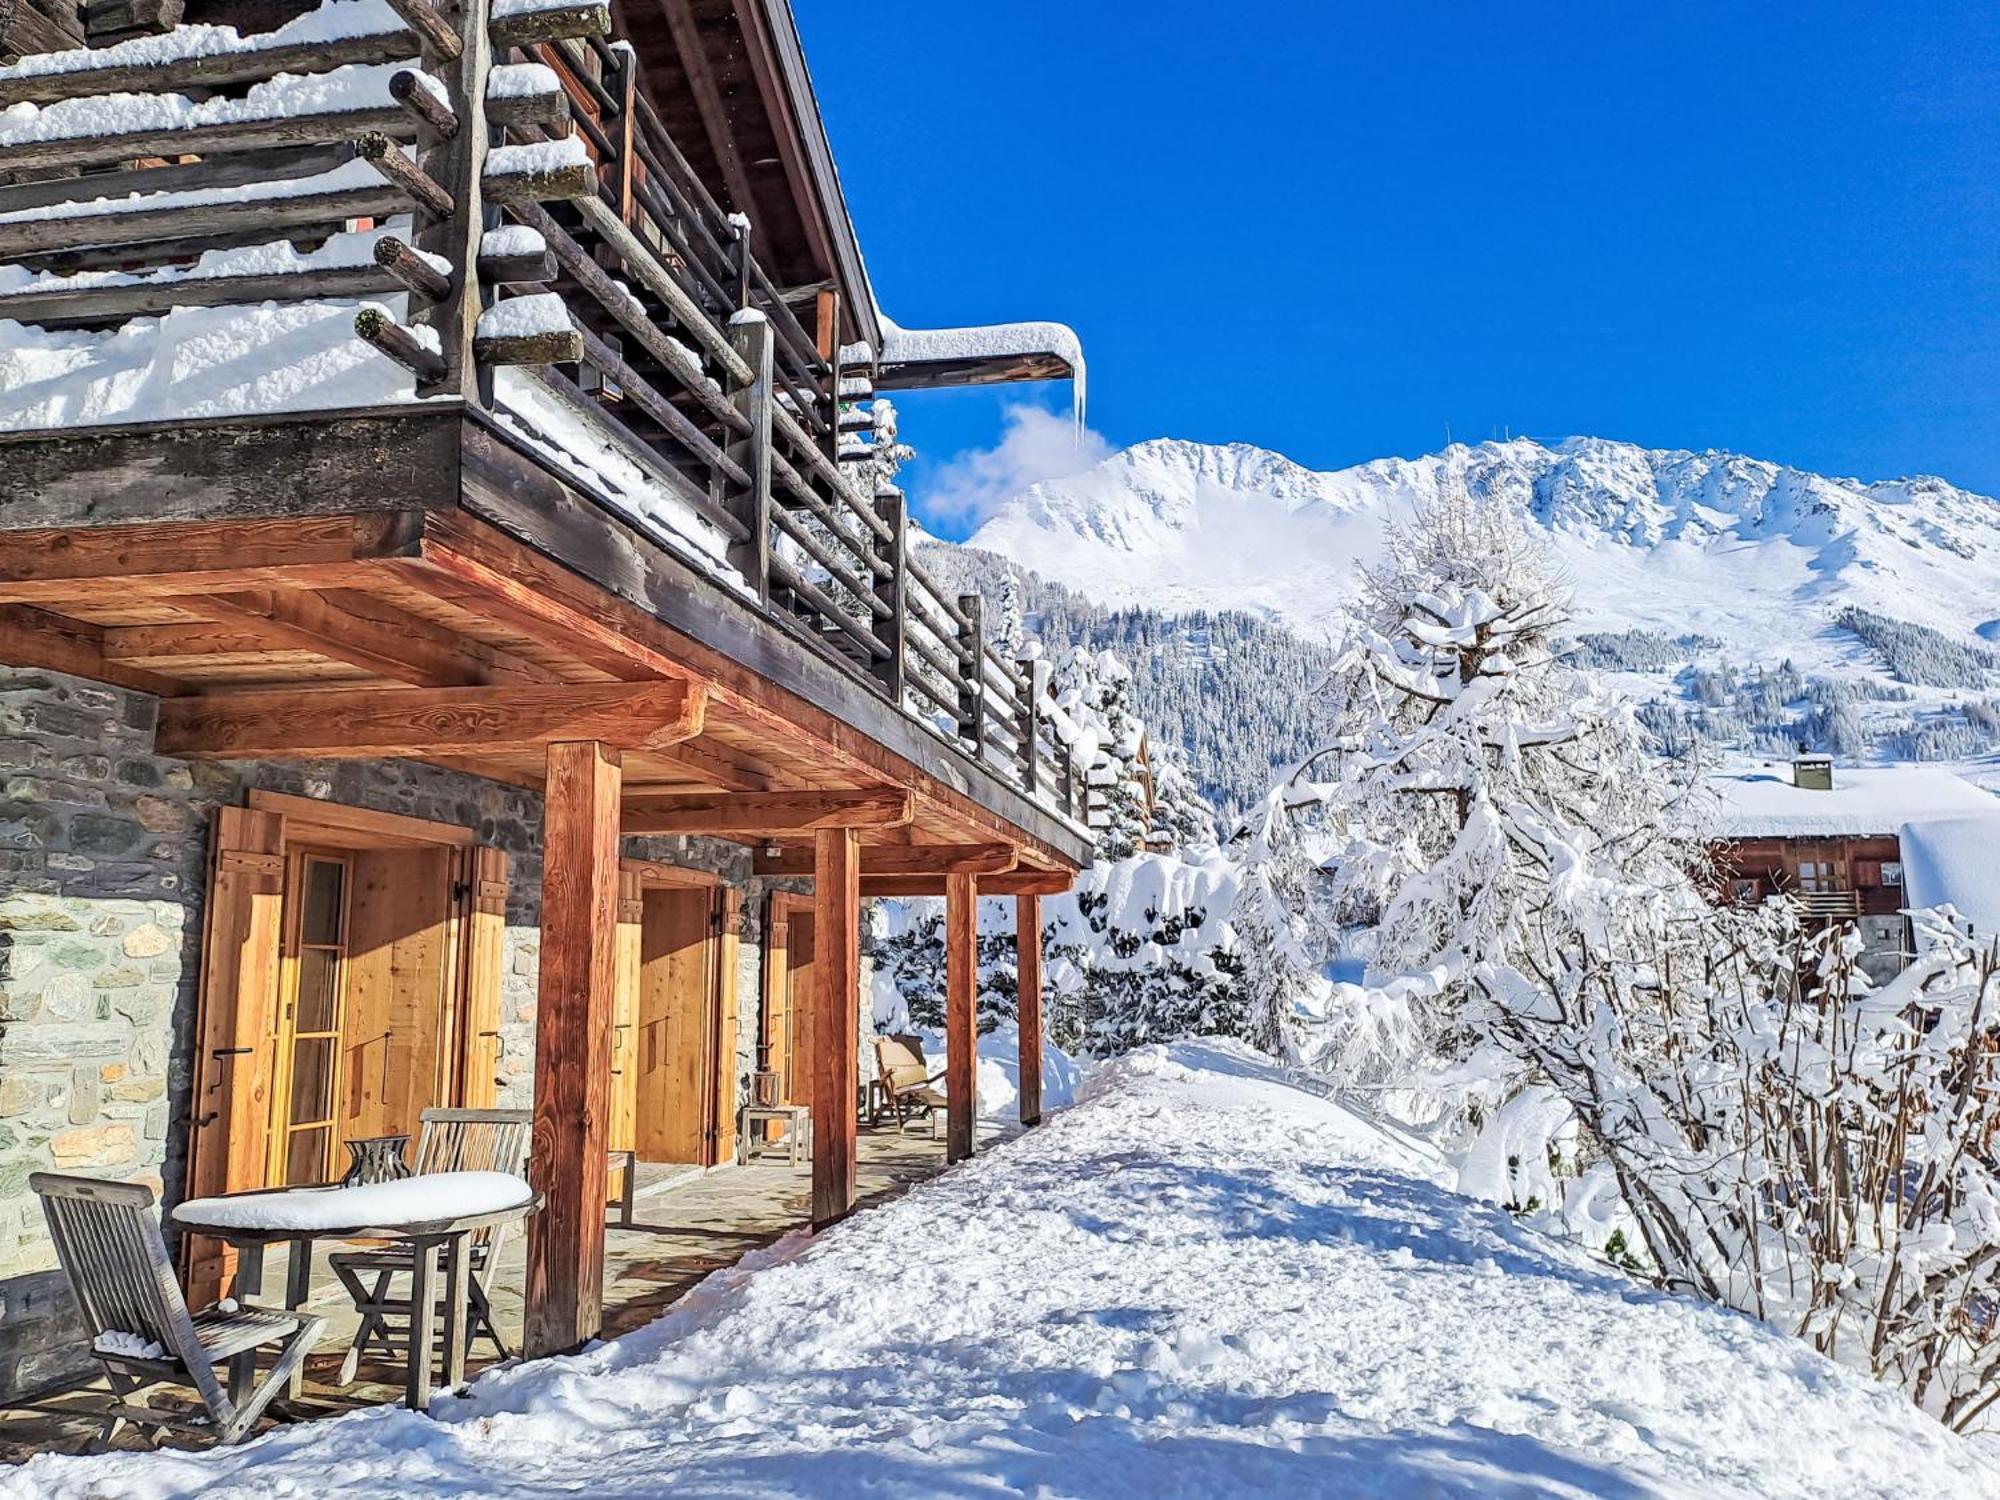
1818, 876
1744, 892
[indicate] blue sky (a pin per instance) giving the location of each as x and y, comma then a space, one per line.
1342, 230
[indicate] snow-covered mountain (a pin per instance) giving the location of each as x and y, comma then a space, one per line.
1755, 554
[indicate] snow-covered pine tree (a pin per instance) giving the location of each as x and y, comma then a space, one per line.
1499, 806
1182, 817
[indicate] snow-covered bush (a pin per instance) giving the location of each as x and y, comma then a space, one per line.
1802, 1146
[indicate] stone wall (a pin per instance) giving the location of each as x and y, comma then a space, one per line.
103, 849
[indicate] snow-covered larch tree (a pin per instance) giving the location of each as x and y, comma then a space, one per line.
1498, 806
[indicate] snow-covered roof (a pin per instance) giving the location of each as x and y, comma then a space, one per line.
1953, 862
1758, 800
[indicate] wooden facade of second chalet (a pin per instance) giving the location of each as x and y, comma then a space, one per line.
728, 643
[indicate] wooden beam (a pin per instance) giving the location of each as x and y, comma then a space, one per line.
961, 1013
565, 1280
50, 565
1013, 883
399, 647
903, 859
836, 1003
1028, 1009
688, 34
769, 814
288, 724
717, 764
32, 637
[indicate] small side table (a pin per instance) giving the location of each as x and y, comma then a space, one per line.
797, 1120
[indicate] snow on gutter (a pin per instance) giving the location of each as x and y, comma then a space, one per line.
996, 341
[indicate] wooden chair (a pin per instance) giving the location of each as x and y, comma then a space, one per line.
908, 1085
449, 1140
107, 1238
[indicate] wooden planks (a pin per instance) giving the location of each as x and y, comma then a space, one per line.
31, 637
903, 859
485, 956
1013, 883
1028, 1010
236, 1019
961, 1020
835, 1025
41, 566
258, 725
768, 814
574, 1007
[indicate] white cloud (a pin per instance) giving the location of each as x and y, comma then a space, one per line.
1037, 444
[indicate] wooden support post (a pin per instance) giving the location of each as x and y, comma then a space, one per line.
836, 1023
750, 336
972, 686
961, 1012
891, 591
1028, 1012
573, 1015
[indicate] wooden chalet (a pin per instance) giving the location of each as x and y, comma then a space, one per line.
1832, 840
508, 706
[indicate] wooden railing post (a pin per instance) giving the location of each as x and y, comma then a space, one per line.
457, 164
1030, 727
892, 593
750, 336
972, 685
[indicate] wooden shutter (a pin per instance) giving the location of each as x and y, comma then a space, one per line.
724, 948
236, 1024
622, 1131
485, 954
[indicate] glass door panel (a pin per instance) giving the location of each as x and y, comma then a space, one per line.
310, 1045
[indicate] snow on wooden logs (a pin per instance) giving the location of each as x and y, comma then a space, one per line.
425, 100
439, 37
291, 111
540, 172
522, 23
531, 330
352, 191
422, 189
417, 273
515, 254
412, 350
130, 69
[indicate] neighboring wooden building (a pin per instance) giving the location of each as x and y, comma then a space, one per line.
1832, 840
462, 748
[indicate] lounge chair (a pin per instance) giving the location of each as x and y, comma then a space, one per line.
449, 1140
909, 1088
107, 1238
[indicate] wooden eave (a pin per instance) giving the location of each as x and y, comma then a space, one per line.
342, 558
997, 369
729, 80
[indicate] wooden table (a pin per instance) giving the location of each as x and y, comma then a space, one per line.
445, 1239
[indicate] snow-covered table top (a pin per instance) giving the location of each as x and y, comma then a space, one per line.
434, 1199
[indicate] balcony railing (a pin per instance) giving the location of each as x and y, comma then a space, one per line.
518, 145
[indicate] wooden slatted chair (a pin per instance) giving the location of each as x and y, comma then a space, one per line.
908, 1085
107, 1238
449, 1140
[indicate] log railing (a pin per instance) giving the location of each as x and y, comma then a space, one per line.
524, 209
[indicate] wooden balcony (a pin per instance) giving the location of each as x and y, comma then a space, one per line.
558, 282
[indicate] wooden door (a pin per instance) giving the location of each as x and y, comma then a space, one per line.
676, 998
483, 938
236, 1024
622, 1131
306, 1097
798, 1006
398, 1038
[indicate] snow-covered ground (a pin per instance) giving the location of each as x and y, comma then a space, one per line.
1199, 1281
